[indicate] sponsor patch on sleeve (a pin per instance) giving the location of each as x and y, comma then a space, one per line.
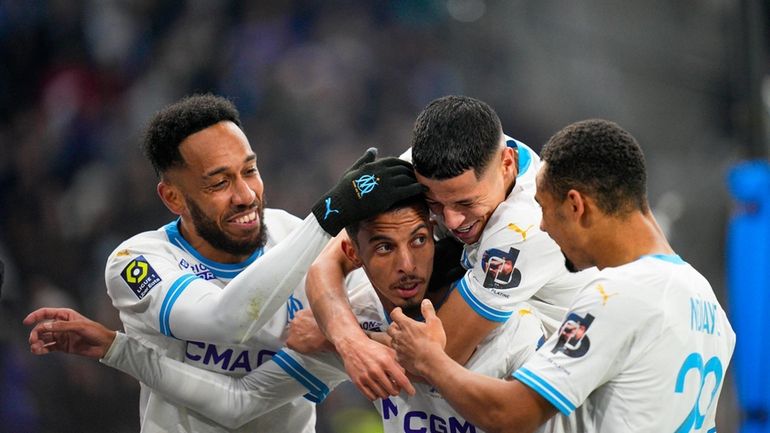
140, 276
500, 269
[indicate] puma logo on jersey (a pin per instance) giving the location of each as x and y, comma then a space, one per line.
605, 296
518, 230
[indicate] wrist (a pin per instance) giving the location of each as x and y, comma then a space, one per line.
432, 360
350, 341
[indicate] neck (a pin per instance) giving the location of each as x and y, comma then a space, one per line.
624, 240
413, 312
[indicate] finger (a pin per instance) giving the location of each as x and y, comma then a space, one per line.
62, 325
46, 314
371, 389
399, 379
428, 312
369, 156
40, 333
393, 162
386, 384
398, 317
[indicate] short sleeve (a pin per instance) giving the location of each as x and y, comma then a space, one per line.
590, 348
511, 264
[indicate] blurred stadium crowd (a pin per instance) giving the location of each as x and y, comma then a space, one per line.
315, 82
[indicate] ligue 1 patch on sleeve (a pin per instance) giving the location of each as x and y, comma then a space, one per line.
140, 276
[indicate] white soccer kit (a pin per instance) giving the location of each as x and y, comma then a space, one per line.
514, 261
290, 374
644, 348
207, 314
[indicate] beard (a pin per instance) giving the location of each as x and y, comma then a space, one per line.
208, 230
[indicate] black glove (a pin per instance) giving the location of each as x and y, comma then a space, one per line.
366, 189
447, 267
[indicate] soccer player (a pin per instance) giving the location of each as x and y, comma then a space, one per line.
645, 345
396, 251
211, 287
481, 189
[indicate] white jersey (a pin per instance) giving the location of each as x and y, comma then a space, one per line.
514, 261
289, 374
194, 310
644, 348
499, 354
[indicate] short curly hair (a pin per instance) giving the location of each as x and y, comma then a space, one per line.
601, 159
454, 134
172, 125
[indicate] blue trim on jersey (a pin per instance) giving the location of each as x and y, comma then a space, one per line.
318, 390
671, 258
482, 310
172, 295
220, 270
557, 399
465, 261
525, 158
713, 430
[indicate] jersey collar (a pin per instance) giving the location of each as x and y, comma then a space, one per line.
220, 270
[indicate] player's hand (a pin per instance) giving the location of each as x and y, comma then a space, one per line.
305, 336
66, 330
372, 367
367, 188
413, 341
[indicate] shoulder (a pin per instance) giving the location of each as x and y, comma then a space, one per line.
150, 241
618, 296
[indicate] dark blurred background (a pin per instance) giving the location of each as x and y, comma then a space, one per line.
316, 83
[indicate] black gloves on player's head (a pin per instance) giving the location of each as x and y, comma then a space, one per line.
447, 267
366, 189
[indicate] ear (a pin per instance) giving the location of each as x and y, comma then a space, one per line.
350, 252
508, 162
172, 197
579, 206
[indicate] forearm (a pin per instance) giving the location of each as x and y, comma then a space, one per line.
325, 287
235, 313
464, 328
492, 404
226, 400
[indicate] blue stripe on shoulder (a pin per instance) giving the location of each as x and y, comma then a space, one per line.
671, 258
220, 270
557, 399
318, 389
177, 287
479, 307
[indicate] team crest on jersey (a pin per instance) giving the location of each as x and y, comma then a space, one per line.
293, 305
572, 339
365, 184
500, 268
140, 276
